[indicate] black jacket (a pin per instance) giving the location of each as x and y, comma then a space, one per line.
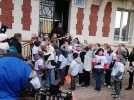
16, 44
131, 57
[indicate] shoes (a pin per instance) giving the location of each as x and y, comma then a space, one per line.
113, 93
105, 84
97, 89
108, 86
116, 96
128, 88
72, 89
84, 85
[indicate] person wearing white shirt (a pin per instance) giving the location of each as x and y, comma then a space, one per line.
61, 65
87, 66
74, 70
99, 68
50, 66
117, 76
39, 65
35, 50
109, 56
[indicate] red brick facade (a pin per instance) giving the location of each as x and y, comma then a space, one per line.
93, 20
6, 16
80, 17
26, 19
107, 19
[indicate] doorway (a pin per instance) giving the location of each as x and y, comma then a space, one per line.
51, 12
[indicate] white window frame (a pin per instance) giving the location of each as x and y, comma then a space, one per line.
121, 27
79, 3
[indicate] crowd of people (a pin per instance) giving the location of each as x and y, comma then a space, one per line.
57, 58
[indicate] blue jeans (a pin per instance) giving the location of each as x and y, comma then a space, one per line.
98, 78
50, 76
62, 75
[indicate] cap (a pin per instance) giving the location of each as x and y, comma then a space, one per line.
3, 37
4, 46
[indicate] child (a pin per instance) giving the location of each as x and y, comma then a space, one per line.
117, 76
109, 56
35, 50
39, 64
99, 67
87, 65
74, 70
61, 65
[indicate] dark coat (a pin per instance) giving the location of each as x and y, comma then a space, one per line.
15, 43
131, 57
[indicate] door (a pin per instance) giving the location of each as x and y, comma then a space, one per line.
52, 11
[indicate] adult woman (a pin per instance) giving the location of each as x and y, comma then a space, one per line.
131, 70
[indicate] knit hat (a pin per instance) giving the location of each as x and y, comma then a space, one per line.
3, 37
3, 45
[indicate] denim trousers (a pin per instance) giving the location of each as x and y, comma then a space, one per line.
50, 76
117, 86
98, 78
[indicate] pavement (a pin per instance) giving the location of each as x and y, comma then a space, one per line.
88, 93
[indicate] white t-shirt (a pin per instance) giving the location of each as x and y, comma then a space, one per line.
74, 68
102, 60
118, 67
48, 62
88, 61
63, 61
70, 58
50, 50
81, 68
109, 57
39, 63
35, 50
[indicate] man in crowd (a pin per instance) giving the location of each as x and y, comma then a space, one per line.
15, 43
14, 72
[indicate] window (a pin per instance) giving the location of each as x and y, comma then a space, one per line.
122, 24
79, 3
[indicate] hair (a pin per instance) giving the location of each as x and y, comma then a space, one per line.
37, 43
133, 49
100, 49
75, 55
17, 35
87, 48
98, 44
77, 40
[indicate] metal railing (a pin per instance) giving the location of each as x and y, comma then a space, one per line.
47, 95
26, 49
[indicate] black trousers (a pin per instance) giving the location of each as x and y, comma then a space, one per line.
73, 82
108, 77
131, 75
81, 76
86, 77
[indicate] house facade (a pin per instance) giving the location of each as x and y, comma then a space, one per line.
103, 21
97, 21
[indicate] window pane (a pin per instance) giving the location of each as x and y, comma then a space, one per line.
117, 25
125, 26
79, 3
117, 19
